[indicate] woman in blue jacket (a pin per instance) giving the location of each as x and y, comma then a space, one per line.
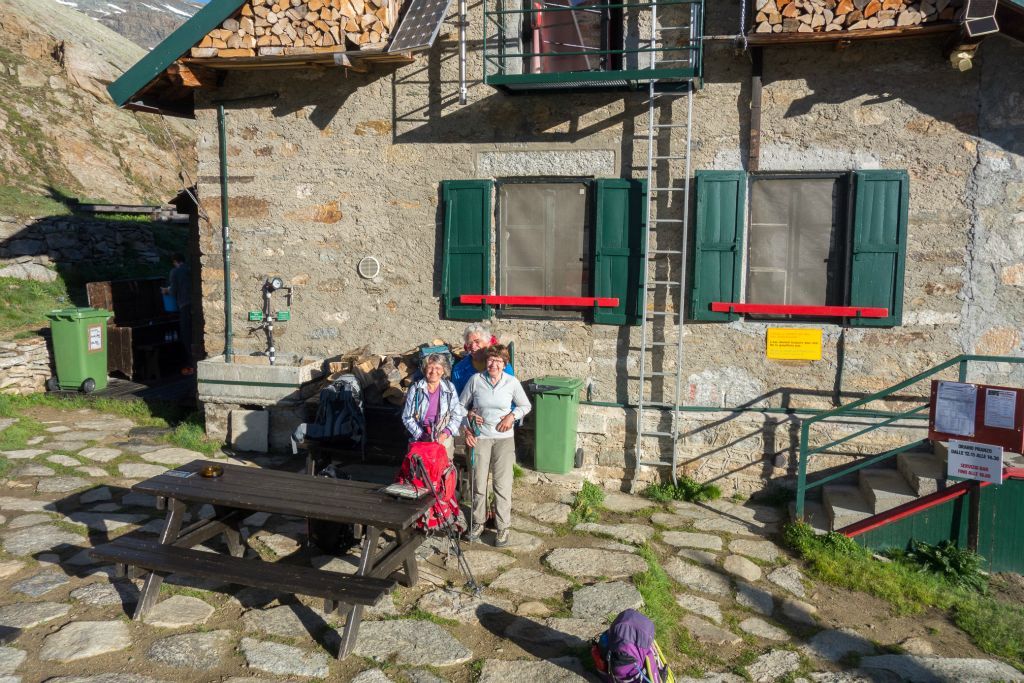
433, 411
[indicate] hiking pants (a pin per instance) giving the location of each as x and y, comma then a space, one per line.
497, 457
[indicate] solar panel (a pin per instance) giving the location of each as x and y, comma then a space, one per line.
420, 25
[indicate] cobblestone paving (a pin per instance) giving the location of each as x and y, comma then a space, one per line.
63, 618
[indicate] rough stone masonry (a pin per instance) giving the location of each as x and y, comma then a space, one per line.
345, 166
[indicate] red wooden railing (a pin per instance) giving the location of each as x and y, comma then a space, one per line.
809, 311
563, 301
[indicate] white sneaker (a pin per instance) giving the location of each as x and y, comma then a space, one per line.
501, 540
474, 535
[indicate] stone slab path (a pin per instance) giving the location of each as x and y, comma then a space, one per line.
748, 606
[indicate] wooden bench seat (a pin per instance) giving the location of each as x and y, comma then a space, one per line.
286, 578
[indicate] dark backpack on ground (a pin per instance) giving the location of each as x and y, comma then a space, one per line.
628, 653
333, 538
339, 419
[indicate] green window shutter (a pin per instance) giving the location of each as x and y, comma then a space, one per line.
879, 244
718, 241
467, 247
621, 218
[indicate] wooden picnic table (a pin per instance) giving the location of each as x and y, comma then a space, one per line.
239, 492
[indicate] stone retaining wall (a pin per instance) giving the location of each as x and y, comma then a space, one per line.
24, 365
29, 245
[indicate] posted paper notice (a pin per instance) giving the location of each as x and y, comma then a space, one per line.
1000, 408
955, 407
979, 461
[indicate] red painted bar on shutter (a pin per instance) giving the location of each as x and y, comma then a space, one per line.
787, 309
568, 301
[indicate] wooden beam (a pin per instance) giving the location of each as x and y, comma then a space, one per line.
191, 77
783, 39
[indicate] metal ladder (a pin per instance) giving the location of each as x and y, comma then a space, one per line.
665, 264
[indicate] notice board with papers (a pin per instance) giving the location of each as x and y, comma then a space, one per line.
978, 413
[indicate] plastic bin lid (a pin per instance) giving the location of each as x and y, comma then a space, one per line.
553, 384
78, 314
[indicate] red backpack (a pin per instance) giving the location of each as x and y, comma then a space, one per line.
430, 457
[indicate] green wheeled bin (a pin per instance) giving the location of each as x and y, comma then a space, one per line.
79, 348
556, 409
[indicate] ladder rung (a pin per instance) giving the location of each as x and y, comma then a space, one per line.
655, 463
673, 61
670, 156
668, 189
665, 251
669, 125
657, 404
660, 374
662, 313
667, 283
671, 28
661, 343
666, 220
668, 434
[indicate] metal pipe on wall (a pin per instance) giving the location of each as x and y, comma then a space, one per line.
463, 91
225, 230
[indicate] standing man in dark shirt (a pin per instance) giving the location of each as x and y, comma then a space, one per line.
180, 287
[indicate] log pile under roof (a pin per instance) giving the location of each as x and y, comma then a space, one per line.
813, 16
295, 27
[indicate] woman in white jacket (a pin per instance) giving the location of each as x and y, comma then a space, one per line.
496, 400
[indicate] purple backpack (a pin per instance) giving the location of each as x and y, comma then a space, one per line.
628, 653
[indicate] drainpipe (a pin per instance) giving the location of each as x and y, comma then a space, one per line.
225, 230
463, 93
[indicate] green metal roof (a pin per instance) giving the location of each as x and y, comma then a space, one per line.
171, 48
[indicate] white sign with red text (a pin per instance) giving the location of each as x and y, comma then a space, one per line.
980, 461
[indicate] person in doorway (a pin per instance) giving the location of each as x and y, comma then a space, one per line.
490, 394
476, 339
179, 286
433, 411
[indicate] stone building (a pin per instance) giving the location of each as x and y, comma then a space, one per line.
849, 168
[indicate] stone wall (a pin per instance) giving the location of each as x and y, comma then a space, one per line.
28, 246
319, 181
25, 366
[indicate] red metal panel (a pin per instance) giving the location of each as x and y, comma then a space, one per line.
569, 301
787, 309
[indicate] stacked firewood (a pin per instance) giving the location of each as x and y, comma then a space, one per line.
809, 16
383, 377
276, 27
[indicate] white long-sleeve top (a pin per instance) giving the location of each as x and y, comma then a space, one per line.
492, 402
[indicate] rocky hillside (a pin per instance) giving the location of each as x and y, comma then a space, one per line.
146, 23
60, 134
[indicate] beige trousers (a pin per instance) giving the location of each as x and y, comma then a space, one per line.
494, 456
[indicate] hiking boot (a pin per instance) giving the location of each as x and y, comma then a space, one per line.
474, 534
501, 540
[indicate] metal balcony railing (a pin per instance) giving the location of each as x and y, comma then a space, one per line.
572, 44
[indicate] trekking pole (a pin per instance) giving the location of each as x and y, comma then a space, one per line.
472, 473
451, 533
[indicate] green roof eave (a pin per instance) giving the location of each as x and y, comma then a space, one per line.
171, 48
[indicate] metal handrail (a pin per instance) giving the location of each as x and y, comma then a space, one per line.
497, 56
850, 408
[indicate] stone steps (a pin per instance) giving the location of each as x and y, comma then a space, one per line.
884, 489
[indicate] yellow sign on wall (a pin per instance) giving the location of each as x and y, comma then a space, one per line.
791, 343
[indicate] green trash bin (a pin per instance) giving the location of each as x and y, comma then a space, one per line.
79, 348
556, 408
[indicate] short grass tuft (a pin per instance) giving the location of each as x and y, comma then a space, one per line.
685, 489
661, 607
587, 503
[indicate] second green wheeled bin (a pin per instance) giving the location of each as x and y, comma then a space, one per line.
557, 406
79, 348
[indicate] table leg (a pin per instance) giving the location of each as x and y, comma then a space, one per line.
151, 588
232, 533
354, 613
412, 573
